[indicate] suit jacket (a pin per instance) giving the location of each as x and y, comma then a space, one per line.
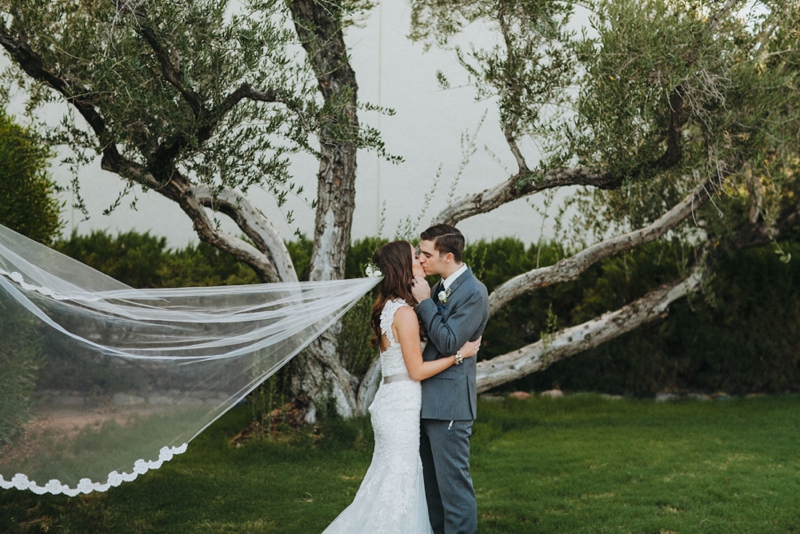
451, 395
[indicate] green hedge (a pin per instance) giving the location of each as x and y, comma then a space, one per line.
748, 341
20, 356
28, 202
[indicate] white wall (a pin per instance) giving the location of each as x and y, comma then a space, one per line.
426, 132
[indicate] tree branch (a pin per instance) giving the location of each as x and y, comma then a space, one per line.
245, 91
713, 22
178, 189
254, 224
537, 356
508, 131
169, 182
525, 183
653, 306
570, 268
172, 73
757, 234
513, 85
520, 185
80, 98
674, 152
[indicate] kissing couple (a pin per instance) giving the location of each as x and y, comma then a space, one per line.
422, 415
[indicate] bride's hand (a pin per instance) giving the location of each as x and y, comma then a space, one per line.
470, 348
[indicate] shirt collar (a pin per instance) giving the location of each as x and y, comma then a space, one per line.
447, 282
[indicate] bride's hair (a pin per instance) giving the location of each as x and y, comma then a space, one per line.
394, 261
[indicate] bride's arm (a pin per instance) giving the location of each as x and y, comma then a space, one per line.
406, 331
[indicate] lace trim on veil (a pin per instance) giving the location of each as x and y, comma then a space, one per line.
175, 358
55, 487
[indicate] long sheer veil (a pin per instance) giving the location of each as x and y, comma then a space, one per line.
100, 382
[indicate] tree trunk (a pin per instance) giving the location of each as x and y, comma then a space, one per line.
318, 372
570, 268
570, 341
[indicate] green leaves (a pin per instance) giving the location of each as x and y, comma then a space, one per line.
19, 365
161, 77
28, 203
658, 94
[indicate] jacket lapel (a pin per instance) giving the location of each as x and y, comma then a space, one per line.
460, 280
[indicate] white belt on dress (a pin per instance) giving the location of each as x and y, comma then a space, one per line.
395, 378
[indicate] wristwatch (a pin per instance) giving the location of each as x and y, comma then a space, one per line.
459, 358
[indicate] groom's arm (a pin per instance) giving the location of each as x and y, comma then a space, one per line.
465, 321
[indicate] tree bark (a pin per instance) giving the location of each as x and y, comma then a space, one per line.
571, 267
318, 372
570, 341
522, 184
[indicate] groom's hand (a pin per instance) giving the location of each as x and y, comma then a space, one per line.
420, 289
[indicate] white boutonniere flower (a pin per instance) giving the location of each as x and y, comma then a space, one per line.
372, 271
443, 295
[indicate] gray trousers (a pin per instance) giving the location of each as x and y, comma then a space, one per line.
444, 449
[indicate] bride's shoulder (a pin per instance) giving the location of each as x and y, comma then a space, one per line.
393, 305
394, 312
405, 314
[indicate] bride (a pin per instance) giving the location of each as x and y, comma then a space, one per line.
391, 498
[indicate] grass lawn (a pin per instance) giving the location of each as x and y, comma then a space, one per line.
577, 464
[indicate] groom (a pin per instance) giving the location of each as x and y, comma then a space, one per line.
457, 312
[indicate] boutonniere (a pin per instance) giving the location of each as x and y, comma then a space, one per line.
443, 295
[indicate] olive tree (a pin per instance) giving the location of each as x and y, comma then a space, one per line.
676, 119
665, 113
199, 102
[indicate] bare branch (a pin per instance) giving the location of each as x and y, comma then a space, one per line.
653, 306
512, 144
520, 185
253, 223
245, 91
178, 189
171, 72
713, 22
80, 98
576, 339
570, 268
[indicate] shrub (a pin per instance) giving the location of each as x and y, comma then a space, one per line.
748, 341
27, 194
19, 367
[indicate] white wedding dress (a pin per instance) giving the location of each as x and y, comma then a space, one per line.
391, 499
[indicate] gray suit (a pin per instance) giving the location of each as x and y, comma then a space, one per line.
449, 402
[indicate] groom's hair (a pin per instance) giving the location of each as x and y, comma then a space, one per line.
445, 239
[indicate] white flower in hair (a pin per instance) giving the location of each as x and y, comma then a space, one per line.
372, 271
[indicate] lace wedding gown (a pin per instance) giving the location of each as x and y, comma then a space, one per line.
391, 498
